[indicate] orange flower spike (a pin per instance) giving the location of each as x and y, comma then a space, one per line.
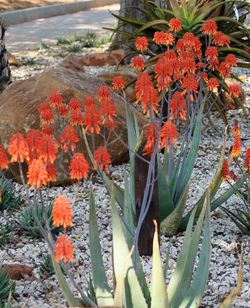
74, 104
175, 24
37, 173
224, 70
178, 106
79, 167
64, 249
47, 129
234, 90
220, 39
103, 93
33, 139
47, 149
18, 148
209, 27
76, 118
62, 212
92, 121
108, 111
247, 159
236, 129
46, 113
141, 43
151, 133
3, 158
212, 53
169, 135
62, 110
89, 103
213, 84
102, 159
137, 62
225, 171
190, 83
163, 38
118, 83
231, 60
69, 138
236, 148
51, 170
55, 99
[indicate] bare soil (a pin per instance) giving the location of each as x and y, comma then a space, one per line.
11, 5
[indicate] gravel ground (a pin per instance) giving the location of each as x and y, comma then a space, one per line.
226, 238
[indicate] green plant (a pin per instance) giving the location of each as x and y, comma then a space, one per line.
31, 216
74, 48
63, 41
192, 15
90, 39
8, 199
46, 267
43, 45
4, 234
130, 287
6, 287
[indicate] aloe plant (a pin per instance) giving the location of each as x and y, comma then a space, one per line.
229, 15
6, 287
8, 199
185, 288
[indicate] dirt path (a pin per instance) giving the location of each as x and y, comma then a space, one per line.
10, 5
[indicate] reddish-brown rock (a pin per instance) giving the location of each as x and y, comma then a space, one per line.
96, 59
19, 271
19, 109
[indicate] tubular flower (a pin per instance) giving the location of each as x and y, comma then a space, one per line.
64, 249
247, 159
62, 212
47, 129
69, 138
92, 121
234, 89
178, 106
3, 158
51, 170
236, 129
209, 27
18, 148
224, 70
102, 159
37, 173
89, 103
118, 83
33, 139
79, 167
47, 149
168, 135
76, 117
46, 113
212, 54
56, 99
103, 93
62, 110
220, 39
190, 83
108, 112
225, 171
163, 70
231, 60
146, 93
138, 63
74, 104
141, 43
175, 24
236, 148
213, 84
163, 38
151, 133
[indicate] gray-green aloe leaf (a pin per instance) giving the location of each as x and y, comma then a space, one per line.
102, 291
123, 266
181, 287
158, 288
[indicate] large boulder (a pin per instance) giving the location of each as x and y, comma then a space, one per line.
19, 109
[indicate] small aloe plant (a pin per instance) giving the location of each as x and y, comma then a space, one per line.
130, 289
8, 199
6, 287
